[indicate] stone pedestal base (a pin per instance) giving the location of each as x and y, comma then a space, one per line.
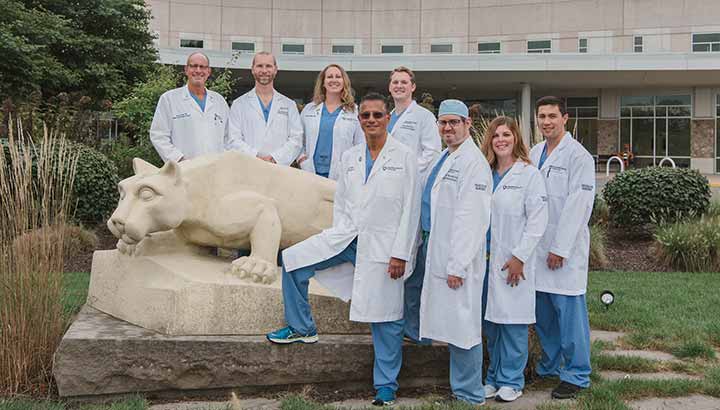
176, 289
100, 355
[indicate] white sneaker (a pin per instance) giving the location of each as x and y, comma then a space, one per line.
490, 391
507, 394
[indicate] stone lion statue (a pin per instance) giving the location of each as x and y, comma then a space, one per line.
231, 200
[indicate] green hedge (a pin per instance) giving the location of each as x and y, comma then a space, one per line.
690, 246
639, 197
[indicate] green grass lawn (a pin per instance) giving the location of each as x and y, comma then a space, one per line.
674, 312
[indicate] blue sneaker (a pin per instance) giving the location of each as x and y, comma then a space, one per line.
385, 396
286, 335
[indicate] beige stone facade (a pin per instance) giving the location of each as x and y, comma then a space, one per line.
607, 137
702, 139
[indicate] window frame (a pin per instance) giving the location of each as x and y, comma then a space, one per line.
713, 46
333, 52
441, 45
543, 50
292, 53
241, 51
202, 43
638, 47
498, 51
582, 48
402, 48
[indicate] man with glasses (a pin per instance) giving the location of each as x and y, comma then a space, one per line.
455, 216
266, 123
375, 221
191, 121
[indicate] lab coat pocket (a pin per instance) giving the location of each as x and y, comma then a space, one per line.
510, 201
376, 246
557, 181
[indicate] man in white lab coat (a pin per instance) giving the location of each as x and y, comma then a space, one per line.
455, 216
191, 121
265, 122
375, 221
561, 264
414, 126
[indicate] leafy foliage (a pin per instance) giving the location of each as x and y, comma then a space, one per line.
96, 47
643, 196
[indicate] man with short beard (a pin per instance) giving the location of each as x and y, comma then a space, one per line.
265, 122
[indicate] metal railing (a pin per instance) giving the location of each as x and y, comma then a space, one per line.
619, 160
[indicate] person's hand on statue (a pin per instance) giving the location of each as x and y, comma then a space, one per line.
454, 282
396, 268
301, 158
554, 261
267, 158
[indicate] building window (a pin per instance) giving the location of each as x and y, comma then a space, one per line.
489, 48
539, 46
243, 47
583, 121
638, 44
343, 49
582, 45
441, 48
655, 127
188, 43
293, 48
392, 49
705, 43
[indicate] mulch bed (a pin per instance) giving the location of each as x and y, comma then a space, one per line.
631, 253
82, 262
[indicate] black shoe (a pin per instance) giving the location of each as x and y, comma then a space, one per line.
566, 390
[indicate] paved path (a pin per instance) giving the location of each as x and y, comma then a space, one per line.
694, 402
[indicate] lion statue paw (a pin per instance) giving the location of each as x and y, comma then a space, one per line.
255, 269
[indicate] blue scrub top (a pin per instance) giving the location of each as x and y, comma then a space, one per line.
199, 102
324, 145
543, 157
369, 162
393, 119
496, 182
265, 110
425, 207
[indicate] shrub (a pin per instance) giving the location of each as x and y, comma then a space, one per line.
95, 178
74, 239
713, 210
121, 152
691, 246
598, 259
600, 213
640, 197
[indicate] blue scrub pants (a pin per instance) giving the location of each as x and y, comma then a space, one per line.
564, 332
387, 344
387, 336
295, 290
507, 346
413, 290
466, 373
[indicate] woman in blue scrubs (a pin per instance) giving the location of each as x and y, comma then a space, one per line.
330, 123
517, 222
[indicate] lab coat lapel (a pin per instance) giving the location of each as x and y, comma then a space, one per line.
253, 97
385, 154
210, 101
451, 159
557, 152
273, 111
191, 101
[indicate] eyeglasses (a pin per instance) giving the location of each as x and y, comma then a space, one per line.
453, 123
197, 67
365, 115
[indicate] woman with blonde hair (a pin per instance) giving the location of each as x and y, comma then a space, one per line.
330, 123
517, 223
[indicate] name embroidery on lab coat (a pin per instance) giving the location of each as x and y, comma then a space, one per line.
283, 111
480, 187
587, 187
452, 175
511, 187
409, 125
183, 115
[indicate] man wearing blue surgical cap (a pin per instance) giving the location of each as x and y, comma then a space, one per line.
455, 216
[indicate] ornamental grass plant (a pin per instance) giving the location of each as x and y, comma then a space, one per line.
35, 197
691, 245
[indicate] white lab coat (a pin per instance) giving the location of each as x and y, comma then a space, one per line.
569, 174
346, 133
281, 136
460, 215
180, 129
417, 128
518, 221
383, 214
